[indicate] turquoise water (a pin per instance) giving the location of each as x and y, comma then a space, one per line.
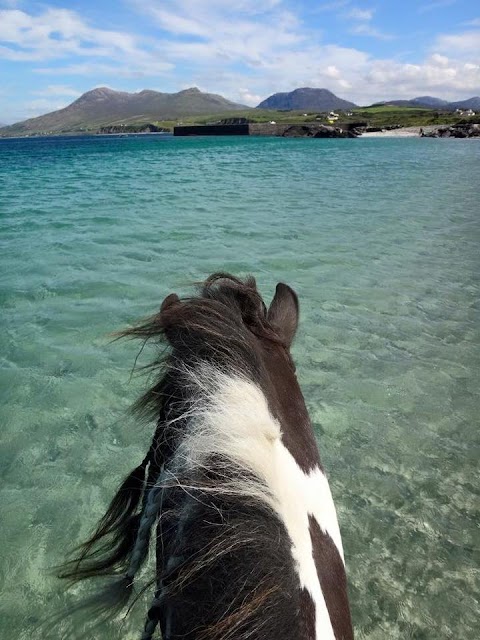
380, 238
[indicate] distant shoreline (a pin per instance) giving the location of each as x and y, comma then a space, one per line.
80, 134
400, 132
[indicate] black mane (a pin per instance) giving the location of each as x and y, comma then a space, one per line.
219, 326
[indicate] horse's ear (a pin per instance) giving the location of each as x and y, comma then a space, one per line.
283, 312
169, 300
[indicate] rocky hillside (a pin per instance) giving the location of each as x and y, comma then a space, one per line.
306, 99
102, 107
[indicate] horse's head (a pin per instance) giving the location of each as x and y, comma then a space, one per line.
229, 326
228, 312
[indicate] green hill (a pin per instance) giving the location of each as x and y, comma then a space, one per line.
102, 107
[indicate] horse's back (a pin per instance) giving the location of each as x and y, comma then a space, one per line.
226, 571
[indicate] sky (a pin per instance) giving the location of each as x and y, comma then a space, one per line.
51, 52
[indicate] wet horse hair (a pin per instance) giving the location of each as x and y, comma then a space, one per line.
246, 537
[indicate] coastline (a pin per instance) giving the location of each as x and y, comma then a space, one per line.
289, 131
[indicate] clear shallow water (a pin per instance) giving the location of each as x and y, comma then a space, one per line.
380, 237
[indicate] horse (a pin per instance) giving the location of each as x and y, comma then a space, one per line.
247, 542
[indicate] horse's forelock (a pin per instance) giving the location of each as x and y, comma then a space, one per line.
244, 297
226, 308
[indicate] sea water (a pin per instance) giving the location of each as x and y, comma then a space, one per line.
379, 237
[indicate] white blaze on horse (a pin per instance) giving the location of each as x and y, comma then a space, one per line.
231, 489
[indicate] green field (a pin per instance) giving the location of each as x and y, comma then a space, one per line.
377, 116
252, 115
382, 116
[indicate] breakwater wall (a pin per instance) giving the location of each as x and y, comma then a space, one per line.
212, 130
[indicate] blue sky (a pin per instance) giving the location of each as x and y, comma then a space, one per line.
51, 52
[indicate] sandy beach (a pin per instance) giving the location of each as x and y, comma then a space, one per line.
404, 132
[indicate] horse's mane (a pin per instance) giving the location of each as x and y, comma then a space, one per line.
219, 327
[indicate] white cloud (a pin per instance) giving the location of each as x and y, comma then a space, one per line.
365, 29
41, 106
356, 76
434, 6
247, 36
61, 34
332, 6
177, 24
245, 96
467, 42
441, 61
143, 68
444, 77
57, 33
332, 72
58, 90
277, 55
362, 23
360, 14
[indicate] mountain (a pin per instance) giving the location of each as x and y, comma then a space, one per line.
103, 106
306, 99
428, 102
471, 103
423, 102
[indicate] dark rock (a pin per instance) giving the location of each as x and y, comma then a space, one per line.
325, 131
314, 131
360, 127
298, 131
469, 130
132, 128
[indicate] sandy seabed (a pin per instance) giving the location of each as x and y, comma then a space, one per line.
379, 239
